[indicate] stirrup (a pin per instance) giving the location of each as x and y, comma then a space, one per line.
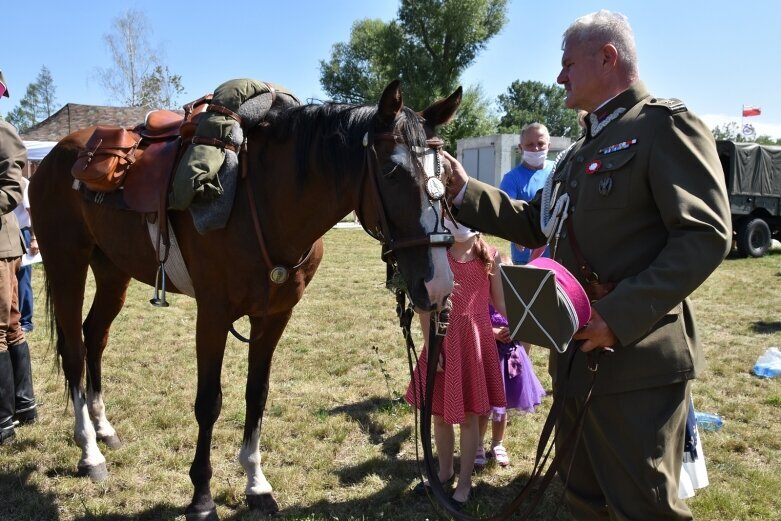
158, 299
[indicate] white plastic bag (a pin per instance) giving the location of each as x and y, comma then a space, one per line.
769, 364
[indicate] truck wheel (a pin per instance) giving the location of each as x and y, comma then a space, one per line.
753, 238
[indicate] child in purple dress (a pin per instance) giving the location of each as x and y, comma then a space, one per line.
522, 389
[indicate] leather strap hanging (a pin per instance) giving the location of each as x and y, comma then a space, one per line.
594, 288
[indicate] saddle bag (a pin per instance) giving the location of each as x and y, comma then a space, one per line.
109, 153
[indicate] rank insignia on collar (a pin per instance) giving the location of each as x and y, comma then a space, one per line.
594, 167
618, 146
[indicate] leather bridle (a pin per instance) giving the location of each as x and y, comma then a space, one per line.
440, 237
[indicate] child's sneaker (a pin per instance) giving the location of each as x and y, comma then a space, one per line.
480, 458
500, 453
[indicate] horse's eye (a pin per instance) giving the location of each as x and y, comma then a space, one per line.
389, 169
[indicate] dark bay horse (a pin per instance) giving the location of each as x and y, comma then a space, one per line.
308, 166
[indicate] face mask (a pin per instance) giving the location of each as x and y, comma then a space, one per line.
535, 159
461, 233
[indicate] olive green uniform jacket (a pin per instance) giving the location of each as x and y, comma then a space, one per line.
661, 229
13, 156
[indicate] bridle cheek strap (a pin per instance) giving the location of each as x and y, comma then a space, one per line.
438, 238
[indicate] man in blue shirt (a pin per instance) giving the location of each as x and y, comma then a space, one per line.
523, 181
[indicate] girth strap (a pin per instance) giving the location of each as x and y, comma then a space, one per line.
175, 267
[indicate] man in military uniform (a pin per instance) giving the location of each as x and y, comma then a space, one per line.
17, 402
647, 222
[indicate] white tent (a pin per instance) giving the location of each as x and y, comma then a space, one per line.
37, 150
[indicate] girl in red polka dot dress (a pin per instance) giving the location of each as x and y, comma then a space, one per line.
468, 381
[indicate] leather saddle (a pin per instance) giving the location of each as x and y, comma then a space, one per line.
163, 138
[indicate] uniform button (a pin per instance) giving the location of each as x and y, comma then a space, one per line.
573, 183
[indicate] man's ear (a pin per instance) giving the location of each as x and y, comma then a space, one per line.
609, 56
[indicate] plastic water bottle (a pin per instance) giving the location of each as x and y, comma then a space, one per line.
708, 421
769, 364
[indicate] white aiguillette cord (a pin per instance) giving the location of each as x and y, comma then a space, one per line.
552, 219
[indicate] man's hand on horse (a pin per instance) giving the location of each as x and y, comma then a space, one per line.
456, 175
596, 334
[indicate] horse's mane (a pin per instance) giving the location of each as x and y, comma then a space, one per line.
330, 135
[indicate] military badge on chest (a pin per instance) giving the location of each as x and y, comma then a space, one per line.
605, 185
618, 146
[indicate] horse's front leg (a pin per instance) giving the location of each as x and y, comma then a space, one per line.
265, 333
210, 349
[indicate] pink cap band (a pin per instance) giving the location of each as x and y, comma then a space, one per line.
572, 288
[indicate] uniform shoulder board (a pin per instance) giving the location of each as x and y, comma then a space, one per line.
674, 105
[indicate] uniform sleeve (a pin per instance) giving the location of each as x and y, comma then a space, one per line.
492, 211
13, 157
688, 187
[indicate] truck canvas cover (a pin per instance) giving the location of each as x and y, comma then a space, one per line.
751, 169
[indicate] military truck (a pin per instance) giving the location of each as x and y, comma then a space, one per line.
753, 174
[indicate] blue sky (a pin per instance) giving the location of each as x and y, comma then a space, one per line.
714, 55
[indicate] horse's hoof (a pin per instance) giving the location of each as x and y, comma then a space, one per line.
264, 503
209, 515
112, 442
96, 473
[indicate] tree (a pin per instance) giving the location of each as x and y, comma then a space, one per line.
731, 131
767, 140
138, 76
532, 101
428, 46
441, 39
160, 88
728, 131
358, 71
46, 92
474, 118
37, 104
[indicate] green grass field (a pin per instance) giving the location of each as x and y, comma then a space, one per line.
337, 443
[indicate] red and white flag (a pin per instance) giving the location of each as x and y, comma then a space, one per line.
751, 111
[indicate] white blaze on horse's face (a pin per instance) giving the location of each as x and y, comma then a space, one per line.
440, 285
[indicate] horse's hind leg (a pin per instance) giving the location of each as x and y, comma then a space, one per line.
110, 290
265, 334
66, 281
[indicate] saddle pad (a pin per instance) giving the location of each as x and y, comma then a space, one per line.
539, 311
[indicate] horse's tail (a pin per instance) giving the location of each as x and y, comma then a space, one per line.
55, 331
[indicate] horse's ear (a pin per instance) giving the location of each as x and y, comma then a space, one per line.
390, 102
442, 111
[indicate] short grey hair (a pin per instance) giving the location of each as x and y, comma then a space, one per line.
534, 126
602, 28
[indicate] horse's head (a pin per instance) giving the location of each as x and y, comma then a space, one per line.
401, 200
